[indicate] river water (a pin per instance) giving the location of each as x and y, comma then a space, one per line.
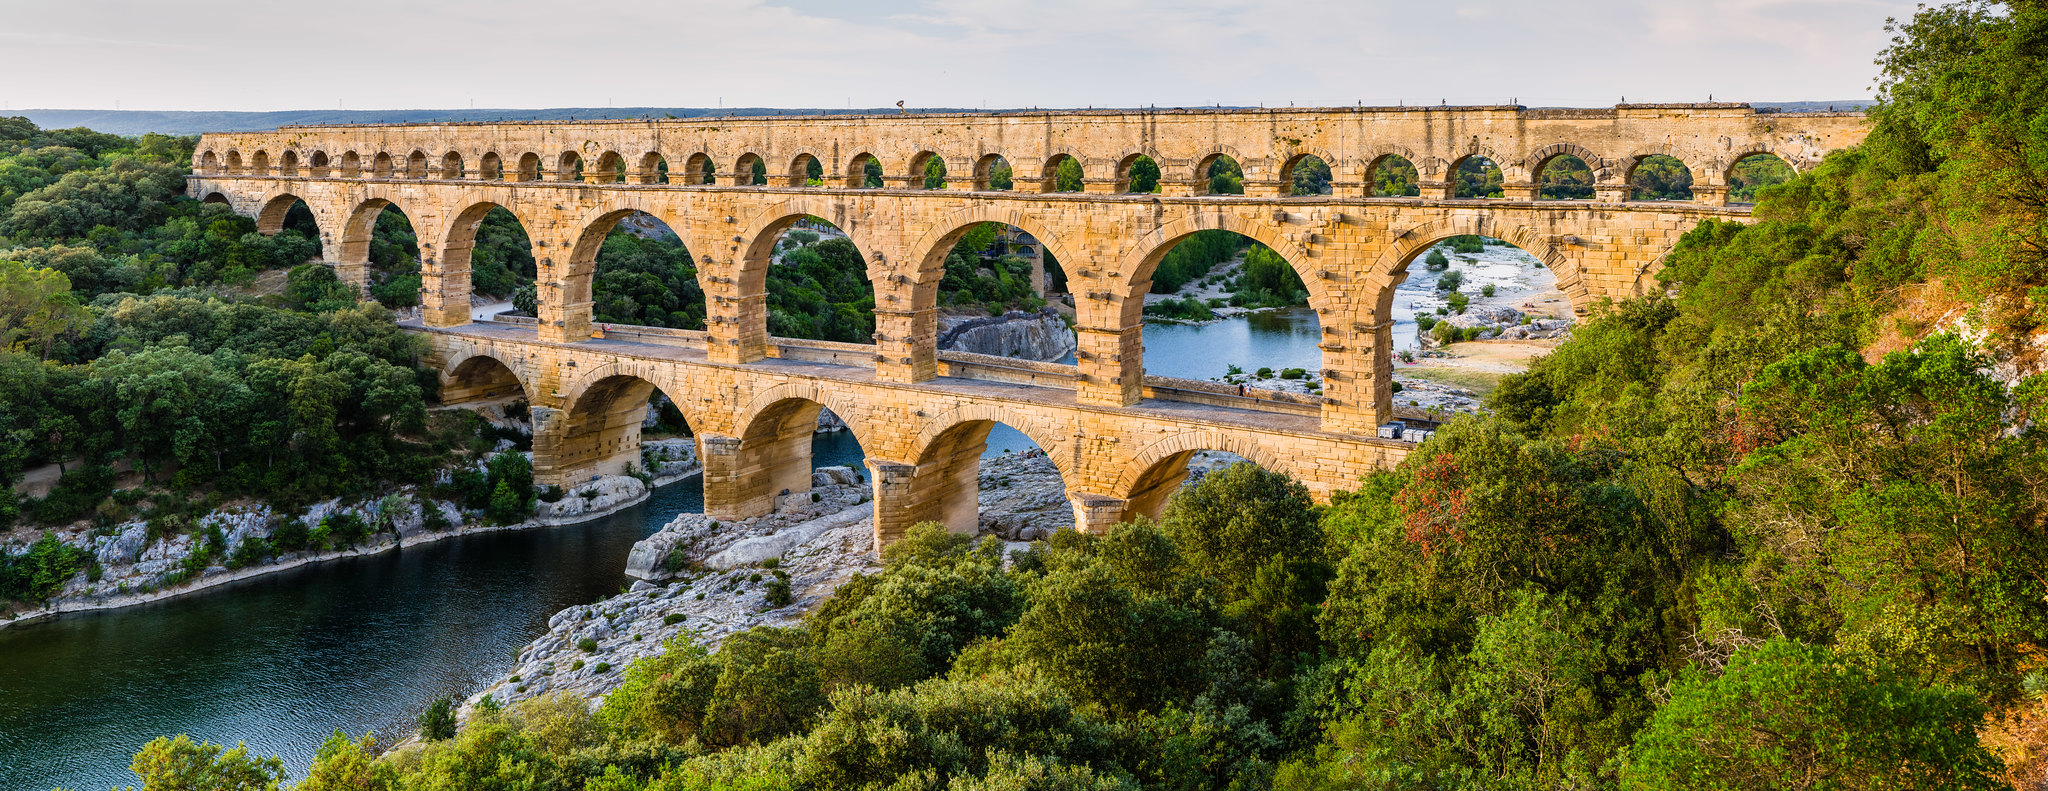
284, 660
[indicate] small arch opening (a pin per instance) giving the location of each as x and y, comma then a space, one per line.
288, 165
1751, 174
529, 167
1658, 177
864, 171
416, 165
492, 166
569, 167
1476, 176
1393, 176
1062, 174
653, 168
1220, 174
209, 162
451, 165
234, 162
1307, 174
351, 165
752, 172
259, 165
611, 168
992, 172
699, 170
1137, 173
1564, 177
319, 164
381, 167
806, 171
930, 168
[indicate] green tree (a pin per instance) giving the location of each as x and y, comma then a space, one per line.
1239, 518
438, 721
344, 765
36, 307
179, 765
1789, 715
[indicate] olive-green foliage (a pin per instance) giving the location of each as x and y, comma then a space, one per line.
1567, 177
645, 281
1267, 281
821, 292
1660, 177
1144, 175
1395, 176
1225, 177
1066, 175
1753, 173
1785, 715
345, 765
763, 684
992, 286
438, 721
1193, 257
1239, 518
1476, 177
1311, 177
315, 287
40, 570
167, 764
500, 262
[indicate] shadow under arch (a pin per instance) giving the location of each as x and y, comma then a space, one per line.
946, 485
598, 429
771, 456
1157, 472
479, 374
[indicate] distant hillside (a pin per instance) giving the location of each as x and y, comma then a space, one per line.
188, 122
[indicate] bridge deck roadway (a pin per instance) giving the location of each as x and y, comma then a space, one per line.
922, 439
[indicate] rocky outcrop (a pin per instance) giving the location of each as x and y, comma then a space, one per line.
1041, 336
1023, 498
600, 495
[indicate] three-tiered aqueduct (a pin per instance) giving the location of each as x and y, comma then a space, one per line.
1120, 438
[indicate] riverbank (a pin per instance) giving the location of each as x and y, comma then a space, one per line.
129, 567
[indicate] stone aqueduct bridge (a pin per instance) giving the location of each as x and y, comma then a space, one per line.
1119, 437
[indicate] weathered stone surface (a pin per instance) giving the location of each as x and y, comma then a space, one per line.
1042, 336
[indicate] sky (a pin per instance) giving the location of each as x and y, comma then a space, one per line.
440, 54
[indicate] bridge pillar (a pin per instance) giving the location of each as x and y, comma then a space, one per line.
1710, 194
1111, 364
895, 508
1096, 514
1358, 376
736, 332
1521, 190
1264, 188
1612, 193
906, 345
354, 274
1182, 188
444, 292
1435, 188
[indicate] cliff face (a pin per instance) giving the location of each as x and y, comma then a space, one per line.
1038, 336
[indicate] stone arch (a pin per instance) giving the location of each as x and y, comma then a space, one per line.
270, 219
569, 166
653, 169
1147, 251
1744, 152
1048, 179
288, 164
318, 164
914, 172
1474, 150
698, 170
1151, 477
1694, 170
804, 390
209, 162
743, 169
761, 233
480, 373
771, 456
416, 164
945, 481
799, 174
598, 430
575, 276
457, 241
655, 374
234, 162
351, 165
1383, 156
1203, 163
985, 164
1292, 160
491, 167
611, 168
857, 170
259, 163
1540, 157
1392, 266
929, 251
529, 167
216, 197
381, 166
451, 165
361, 224
1129, 160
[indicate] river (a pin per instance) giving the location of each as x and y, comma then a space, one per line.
282, 661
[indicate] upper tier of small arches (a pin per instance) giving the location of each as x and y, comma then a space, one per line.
1110, 155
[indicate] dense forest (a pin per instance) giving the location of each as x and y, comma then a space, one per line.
1771, 529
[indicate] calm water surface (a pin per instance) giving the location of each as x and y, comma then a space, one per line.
282, 661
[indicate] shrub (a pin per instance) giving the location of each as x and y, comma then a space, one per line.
1264, 373
673, 618
552, 493
1437, 261
1486, 290
602, 667
1293, 373
588, 645
1424, 321
291, 536
778, 593
437, 723
1450, 281
1458, 302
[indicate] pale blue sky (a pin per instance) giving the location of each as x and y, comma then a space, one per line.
243, 55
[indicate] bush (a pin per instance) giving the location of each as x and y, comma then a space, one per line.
291, 536
36, 574
75, 495
437, 723
1293, 373
588, 645
1486, 290
673, 618
1263, 373
552, 493
1424, 321
1437, 261
778, 593
1450, 281
1458, 302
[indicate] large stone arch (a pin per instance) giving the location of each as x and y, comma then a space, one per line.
1625, 168
467, 375
654, 374
1541, 157
928, 253
597, 429
1727, 163
803, 390
766, 453
1392, 265
1155, 473
1147, 251
944, 480
758, 240
363, 211
277, 203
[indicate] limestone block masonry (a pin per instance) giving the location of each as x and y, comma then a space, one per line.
1106, 423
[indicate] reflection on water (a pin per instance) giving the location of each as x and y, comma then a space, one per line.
1275, 339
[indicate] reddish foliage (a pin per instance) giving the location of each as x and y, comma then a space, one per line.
1433, 504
